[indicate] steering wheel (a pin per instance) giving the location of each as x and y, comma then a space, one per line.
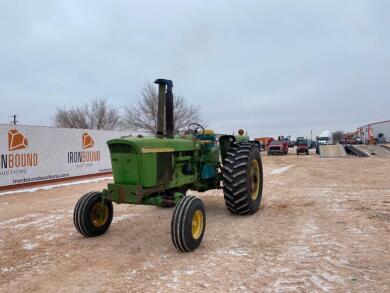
195, 128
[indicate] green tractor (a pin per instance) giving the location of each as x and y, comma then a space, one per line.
159, 170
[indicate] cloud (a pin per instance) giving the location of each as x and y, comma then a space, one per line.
271, 67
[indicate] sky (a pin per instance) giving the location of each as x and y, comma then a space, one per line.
269, 67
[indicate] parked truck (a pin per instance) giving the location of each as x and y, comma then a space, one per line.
302, 146
278, 147
324, 138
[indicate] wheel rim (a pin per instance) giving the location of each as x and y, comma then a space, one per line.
197, 224
255, 179
99, 214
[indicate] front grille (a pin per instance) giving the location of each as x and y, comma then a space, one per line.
274, 148
120, 148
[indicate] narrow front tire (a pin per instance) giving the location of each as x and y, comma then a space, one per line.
188, 223
92, 215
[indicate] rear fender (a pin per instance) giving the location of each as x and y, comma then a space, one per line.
225, 143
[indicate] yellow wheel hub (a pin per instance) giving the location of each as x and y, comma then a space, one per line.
99, 214
255, 179
197, 224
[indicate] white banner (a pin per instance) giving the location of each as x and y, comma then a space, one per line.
32, 153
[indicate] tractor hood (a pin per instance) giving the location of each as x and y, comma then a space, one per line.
144, 145
146, 162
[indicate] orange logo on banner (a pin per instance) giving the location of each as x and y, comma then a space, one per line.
16, 140
87, 141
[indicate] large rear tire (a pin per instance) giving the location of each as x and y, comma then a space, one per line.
242, 173
188, 223
92, 216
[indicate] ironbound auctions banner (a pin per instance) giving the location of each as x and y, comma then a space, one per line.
33, 153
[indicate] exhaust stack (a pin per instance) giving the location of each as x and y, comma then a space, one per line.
165, 108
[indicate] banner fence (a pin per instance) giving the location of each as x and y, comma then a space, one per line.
31, 154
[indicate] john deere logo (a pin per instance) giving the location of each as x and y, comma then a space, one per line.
84, 156
87, 141
17, 141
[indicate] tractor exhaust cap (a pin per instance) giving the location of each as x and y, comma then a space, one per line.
165, 82
165, 102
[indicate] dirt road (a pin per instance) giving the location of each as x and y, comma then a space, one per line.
323, 226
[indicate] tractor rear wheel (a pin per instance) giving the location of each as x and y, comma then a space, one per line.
188, 223
242, 173
92, 216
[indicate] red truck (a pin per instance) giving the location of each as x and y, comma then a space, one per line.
264, 141
277, 147
302, 146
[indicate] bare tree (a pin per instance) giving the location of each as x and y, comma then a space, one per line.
337, 135
96, 114
142, 115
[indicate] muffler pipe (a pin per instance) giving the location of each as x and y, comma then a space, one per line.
169, 112
165, 108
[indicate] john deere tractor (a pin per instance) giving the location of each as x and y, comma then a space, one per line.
159, 170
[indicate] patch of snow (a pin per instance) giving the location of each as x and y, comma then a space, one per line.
309, 252
11, 221
39, 221
42, 223
235, 252
281, 170
13, 269
173, 283
48, 187
5, 270
174, 278
27, 245
131, 275
355, 230
276, 182
123, 217
49, 236
331, 278
148, 265
320, 284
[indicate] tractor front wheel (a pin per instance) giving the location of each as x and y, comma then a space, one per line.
92, 215
188, 223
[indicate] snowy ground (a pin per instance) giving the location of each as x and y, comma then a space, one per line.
51, 186
323, 227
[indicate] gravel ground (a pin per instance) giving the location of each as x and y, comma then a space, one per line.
323, 226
